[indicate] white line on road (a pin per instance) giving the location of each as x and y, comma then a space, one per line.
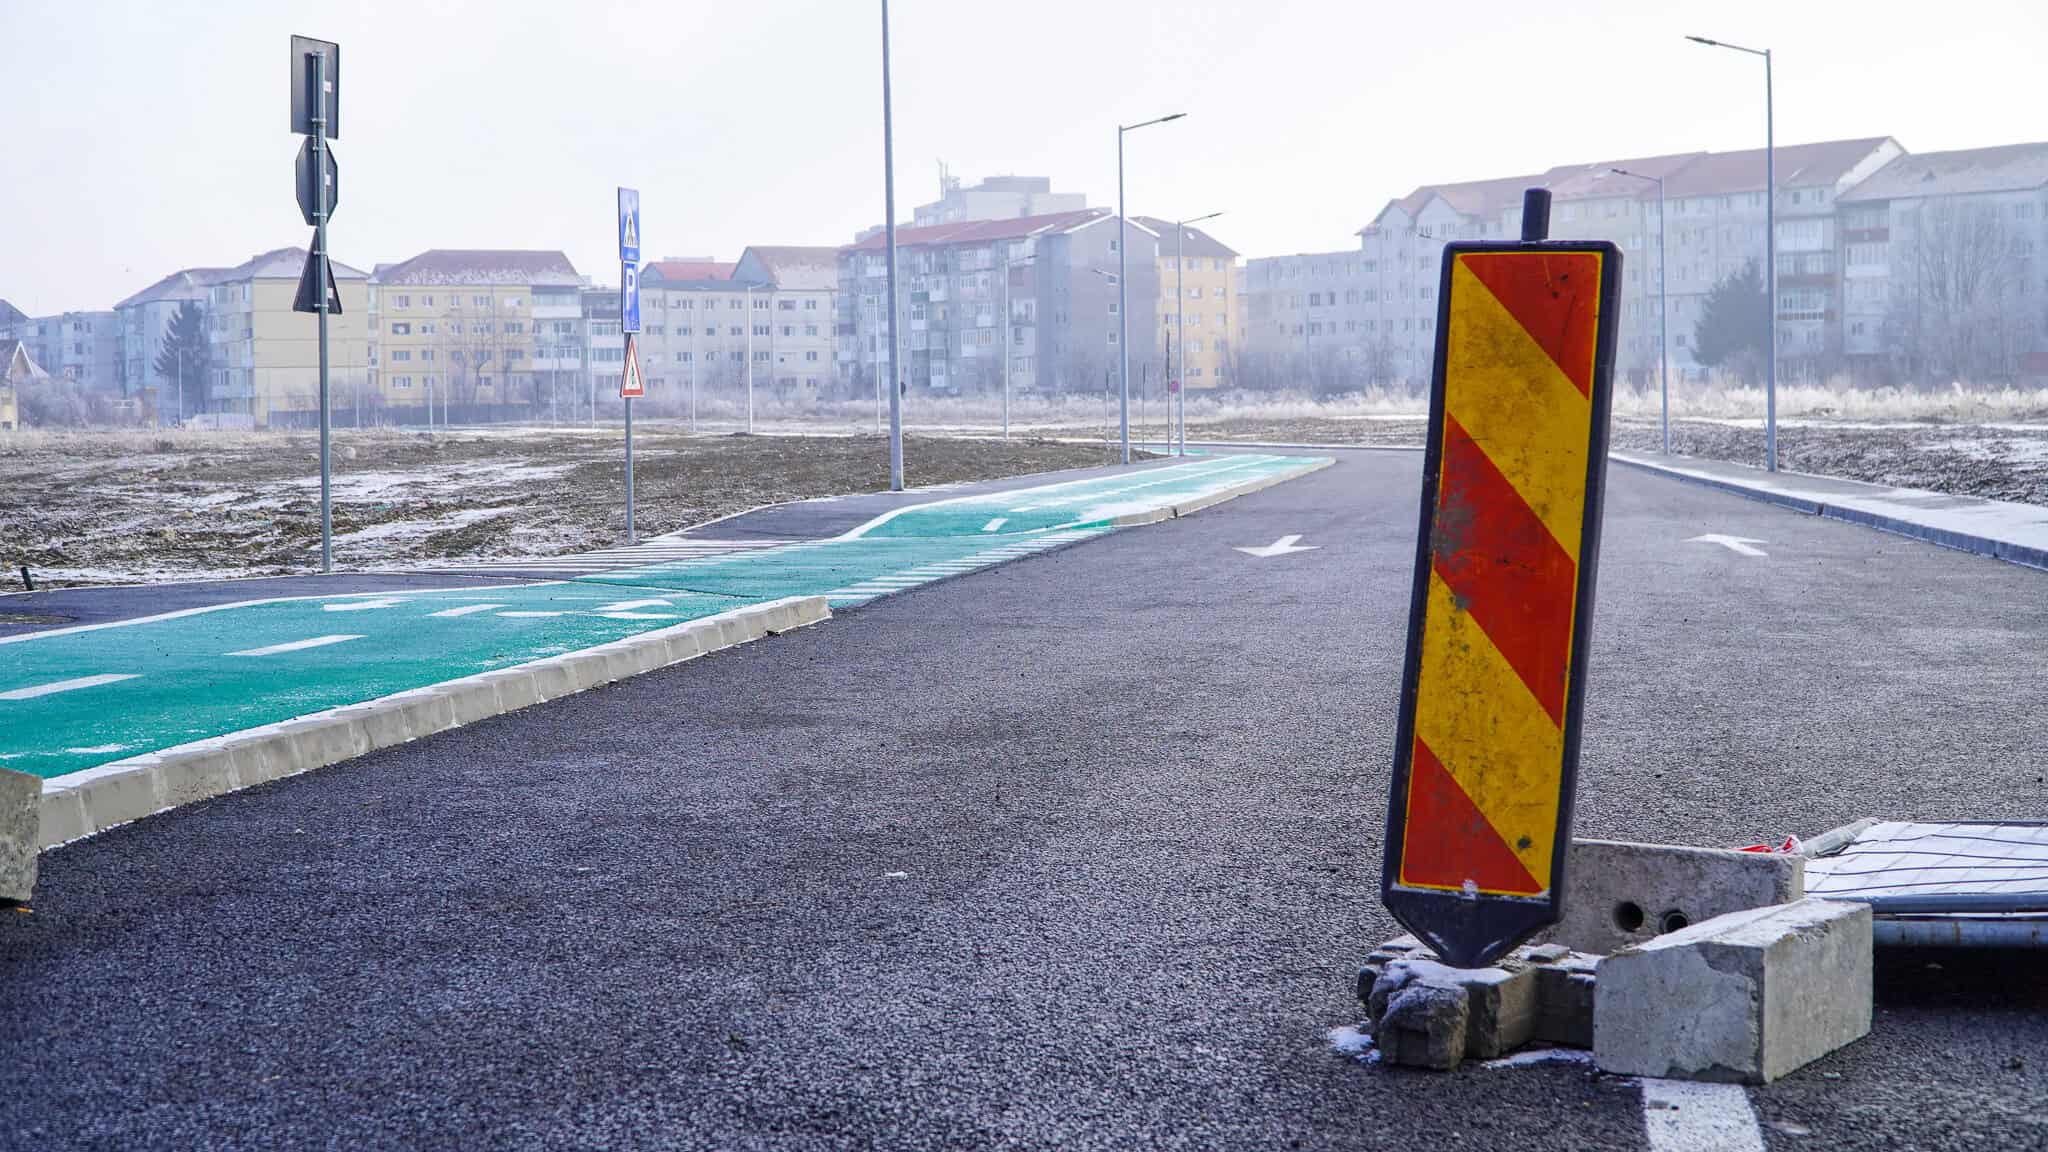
629, 605
294, 646
1740, 545
359, 605
525, 615
638, 615
996, 523
1686, 1117
465, 610
55, 686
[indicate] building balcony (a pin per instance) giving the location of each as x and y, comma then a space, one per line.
557, 311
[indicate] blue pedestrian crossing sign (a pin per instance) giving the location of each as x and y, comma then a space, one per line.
629, 226
629, 298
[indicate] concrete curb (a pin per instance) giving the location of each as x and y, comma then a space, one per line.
1978, 545
1187, 507
80, 804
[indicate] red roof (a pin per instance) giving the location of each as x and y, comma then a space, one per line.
976, 231
675, 270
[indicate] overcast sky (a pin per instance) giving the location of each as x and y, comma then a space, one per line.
144, 137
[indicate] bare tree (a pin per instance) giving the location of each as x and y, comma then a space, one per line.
1957, 316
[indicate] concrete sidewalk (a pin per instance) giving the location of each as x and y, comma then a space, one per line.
2017, 533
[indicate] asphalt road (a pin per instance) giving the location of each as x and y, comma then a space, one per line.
1081, 851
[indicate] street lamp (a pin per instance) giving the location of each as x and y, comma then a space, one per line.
1663, 314
1009, 263
1123, 310
1770, 253
1180, 332
750, 359
889, 226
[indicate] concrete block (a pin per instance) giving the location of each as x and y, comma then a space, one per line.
472, 700
1500, 1011
649, 653
21, 834
1564, 1000
63, 817
590, 670
516, 689
1621, 894
426, 714
119, 796
1747, 996
683, 644
553, 679
384, 724
198, 774
1424, 1026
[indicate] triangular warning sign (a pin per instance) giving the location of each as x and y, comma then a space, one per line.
630, 385
632, 239
308, 299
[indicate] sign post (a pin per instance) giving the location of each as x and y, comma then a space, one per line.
316, 113
630, 383
1486, 749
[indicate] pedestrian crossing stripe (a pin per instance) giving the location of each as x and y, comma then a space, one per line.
1487, 747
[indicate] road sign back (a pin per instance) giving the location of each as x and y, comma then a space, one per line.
631, 386
1487, 745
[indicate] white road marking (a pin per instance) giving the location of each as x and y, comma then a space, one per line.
638, 615
996, 523
359, 605
525, 615
1683, 1116
1280, 547
72, 685
1740, 545
629, 605
465, 610
294, 645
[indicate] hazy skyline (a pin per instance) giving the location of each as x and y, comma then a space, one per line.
150, 137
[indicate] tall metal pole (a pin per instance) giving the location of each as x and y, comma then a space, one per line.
1123, 312
1771, 266
1180, 305
629, 469
750, 359
696, 330
1004, 350
1663, 328
889, 225
320, 288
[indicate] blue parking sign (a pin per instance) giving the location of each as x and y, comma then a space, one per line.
629, 298
629, 226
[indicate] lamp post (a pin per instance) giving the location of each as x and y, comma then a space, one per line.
750, 359
1123, 310
1008, 263
889, 225
1770, 252
1663, 314
1180, 303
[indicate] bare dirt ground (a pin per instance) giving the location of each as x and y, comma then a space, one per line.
122, 506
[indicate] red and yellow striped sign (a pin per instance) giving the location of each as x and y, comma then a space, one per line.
1504, 578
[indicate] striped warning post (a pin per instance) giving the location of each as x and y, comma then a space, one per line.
1488, 741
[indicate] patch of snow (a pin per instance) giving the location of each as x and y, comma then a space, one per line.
390, 529
1528, 1056
1354, 1042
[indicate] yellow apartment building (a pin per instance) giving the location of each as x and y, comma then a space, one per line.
484, 334
266, 357
1203, 270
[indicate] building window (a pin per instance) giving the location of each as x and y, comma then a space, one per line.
789, 329
401, 302
426, 328
400, 327
761, 355
811, 356
786, 305
810, 305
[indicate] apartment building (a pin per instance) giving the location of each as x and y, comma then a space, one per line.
1945, 266
1058, 331
1315, 320
482, 334
82, 347
604, 345
1197, 303
995, 198
144, 319
768, 316
266, 357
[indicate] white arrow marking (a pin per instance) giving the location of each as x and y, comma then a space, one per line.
359, 605
1280, 547
294, 646
996, 523
34, 691
1737, 544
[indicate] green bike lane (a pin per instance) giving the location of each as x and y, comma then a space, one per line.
78, 698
